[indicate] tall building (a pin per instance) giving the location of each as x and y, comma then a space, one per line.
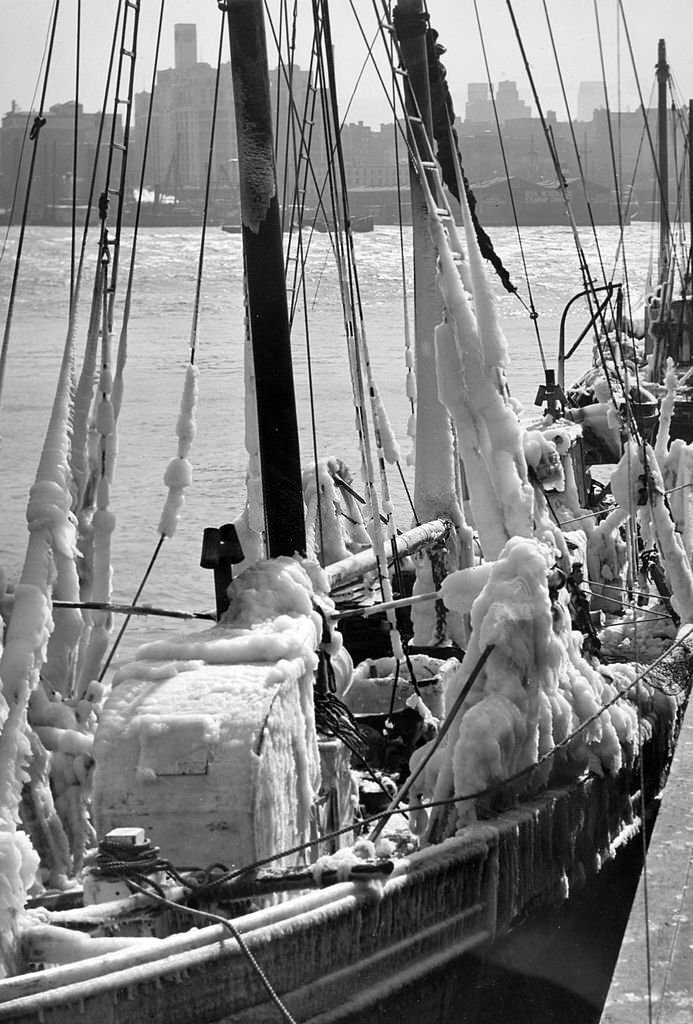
181, 123
508, 103
590, 98
185, 45
182, 119
509, 106
478, 106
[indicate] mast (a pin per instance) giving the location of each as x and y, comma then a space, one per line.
663, 160
690, 190
411, 24
265, 284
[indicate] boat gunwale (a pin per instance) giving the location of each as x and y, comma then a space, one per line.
261, 928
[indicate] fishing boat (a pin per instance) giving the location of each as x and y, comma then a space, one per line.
391, 745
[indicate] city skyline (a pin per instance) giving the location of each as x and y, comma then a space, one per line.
574, 35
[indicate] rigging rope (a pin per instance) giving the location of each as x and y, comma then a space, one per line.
363, 362
125, 319
39, 121
75, 152
533, 313
177, 476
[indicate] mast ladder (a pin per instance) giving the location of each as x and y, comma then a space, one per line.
109, 248
419, 143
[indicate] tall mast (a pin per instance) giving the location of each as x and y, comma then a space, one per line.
663, 160
411, 23
690, 189
268, 319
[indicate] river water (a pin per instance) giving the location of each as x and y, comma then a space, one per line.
158, 351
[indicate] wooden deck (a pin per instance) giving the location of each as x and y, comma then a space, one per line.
669, 978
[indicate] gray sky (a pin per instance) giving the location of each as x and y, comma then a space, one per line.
573, 21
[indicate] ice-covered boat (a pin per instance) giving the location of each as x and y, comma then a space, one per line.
282, 835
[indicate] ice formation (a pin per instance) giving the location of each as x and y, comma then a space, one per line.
472, 355
51, 542
229, 714
534, 690
178, 475
334, 523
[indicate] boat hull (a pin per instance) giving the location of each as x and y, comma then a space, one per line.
337, 953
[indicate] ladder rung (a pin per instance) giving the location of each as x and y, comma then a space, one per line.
402, 72
119, 146
125, 102
429, 165
443, 213
113, 191
128, 53
415, 119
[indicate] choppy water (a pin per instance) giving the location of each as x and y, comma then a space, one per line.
158, 352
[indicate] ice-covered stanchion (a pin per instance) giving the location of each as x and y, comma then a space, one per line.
178, 473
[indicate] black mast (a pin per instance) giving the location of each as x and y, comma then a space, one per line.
265, 288
663, 160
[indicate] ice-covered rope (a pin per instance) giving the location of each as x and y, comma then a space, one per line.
437, 477
471, 358
386, 446
75, 155
409, 356
533, 314
357, 352
179, 472
51, 543
228, 924
103, 520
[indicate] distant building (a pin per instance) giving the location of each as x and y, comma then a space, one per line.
185, 46
509, 106
508, 103
181, 122
478, 106
52, 188
590, 98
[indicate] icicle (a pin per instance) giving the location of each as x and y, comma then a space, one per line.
389, 442
482, 496
665, 413
178, 475
252, 519
498, 430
